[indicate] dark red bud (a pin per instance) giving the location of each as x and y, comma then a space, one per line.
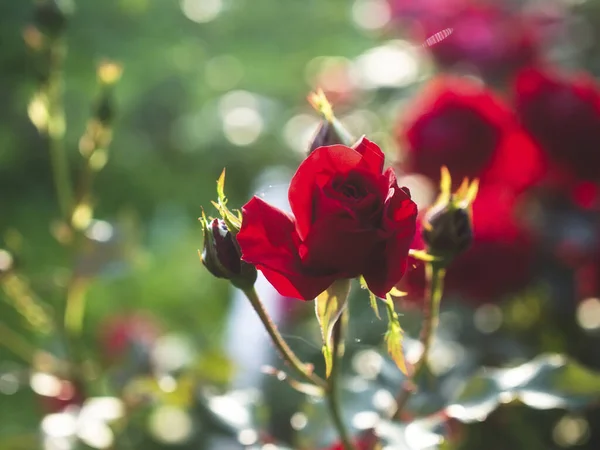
330, 133
221, 255
447, 231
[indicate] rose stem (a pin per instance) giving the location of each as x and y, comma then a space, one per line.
431, 313
339, 332
56, 129
284, 350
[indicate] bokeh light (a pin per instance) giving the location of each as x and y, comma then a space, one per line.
201, 11
171, 425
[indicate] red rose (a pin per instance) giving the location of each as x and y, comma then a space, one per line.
462, 125
349, 219
499, 261
563, 114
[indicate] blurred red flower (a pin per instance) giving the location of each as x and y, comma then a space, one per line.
563, 115
488, 39
498, 263
349, 219
119, 333
459, 123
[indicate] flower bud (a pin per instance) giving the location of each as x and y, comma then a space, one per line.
447, 231
447, 226
104, 108
51, 16
221, 255
109, 74
330, 131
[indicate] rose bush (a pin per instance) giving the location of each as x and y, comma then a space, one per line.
563, 115
350, 219
462, 125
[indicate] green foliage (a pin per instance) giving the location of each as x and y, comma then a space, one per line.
546, 382
329, 306
394, 335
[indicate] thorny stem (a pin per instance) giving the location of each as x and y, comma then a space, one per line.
282, 347
56, 129
435, 287
75, 294
339, 332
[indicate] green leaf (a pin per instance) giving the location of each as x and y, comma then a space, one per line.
328, 309
372, 298
232, 220
221, 189
546, 382
420, 434
394, 335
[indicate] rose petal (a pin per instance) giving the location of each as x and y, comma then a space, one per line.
373, 157
336, 244
399, 206
387, 268
268, 240
314, 172
519, 163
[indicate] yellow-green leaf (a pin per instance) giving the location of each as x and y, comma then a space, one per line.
372, 298
422, 255
445, 185
221, 188
395, 292
328, 309
394, 335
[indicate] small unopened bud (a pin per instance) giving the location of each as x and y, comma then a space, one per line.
104, 108
221, 255
447, 226
330, 131
109, 74
447, 231
51, 16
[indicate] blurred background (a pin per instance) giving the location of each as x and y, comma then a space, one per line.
113, 335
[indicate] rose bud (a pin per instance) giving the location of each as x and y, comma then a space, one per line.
448, 230
447, 226
108, 74
330, 131
221, 255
